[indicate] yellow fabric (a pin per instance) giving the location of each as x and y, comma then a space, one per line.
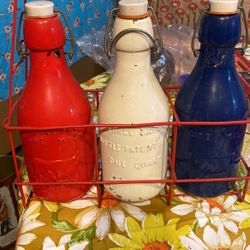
153, 223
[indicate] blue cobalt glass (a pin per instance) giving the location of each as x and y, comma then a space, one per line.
212, 93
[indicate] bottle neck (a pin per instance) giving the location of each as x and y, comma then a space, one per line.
130, 62
215, 57
47, 61
218, 35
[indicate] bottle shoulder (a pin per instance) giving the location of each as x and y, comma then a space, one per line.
212, 97
138, 102
53, 104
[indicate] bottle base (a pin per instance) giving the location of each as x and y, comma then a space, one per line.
135, 192
61, 193
206, 190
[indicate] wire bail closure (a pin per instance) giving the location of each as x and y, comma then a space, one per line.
109, 44
241, 49
22, 50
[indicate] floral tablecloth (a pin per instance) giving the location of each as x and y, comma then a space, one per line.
189, 223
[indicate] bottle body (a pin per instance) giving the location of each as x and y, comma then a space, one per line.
212, 93
52, 98
133, 96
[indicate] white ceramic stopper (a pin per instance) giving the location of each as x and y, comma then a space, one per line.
133, 7
223, 6
39, 8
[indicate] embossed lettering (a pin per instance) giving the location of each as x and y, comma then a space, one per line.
151, 131
145, 164
130, 148
37, 140
122, 132
118, 163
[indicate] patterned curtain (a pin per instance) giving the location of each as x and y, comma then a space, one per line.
180, 12
184, 12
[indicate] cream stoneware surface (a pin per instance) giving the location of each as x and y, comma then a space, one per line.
133, 96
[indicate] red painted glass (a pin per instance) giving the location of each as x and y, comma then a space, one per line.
52, 97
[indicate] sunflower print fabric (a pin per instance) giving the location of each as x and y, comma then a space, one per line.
189, 223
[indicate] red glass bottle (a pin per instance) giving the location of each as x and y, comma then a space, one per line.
52, 97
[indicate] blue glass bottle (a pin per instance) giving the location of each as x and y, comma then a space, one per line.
212, 93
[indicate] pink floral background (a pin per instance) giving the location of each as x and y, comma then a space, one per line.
184, 12
178, 12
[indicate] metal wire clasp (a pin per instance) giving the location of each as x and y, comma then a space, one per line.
196, 33
71, 39
20, 46
109, 44
244, 46
22, 50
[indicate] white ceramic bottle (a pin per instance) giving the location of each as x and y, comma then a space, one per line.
133, 96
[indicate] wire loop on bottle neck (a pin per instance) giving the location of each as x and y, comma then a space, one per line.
71, 39
244, 46
20, 46
195, 36
109, 44
128, 31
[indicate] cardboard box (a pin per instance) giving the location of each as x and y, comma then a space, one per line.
4, 140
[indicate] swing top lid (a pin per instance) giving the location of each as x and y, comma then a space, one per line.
223, 6
39, 8
133, 7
